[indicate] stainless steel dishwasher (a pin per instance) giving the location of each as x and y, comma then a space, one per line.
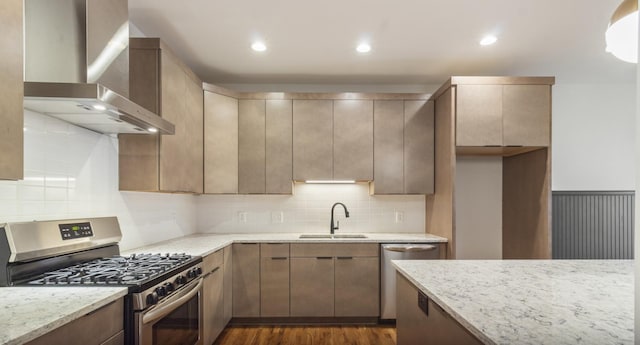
398, 251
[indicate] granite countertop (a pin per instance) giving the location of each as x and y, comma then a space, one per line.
29, 312
532, 301
204, 244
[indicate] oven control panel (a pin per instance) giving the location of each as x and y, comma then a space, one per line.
75, 230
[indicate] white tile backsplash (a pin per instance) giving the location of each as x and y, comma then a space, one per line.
71, 172
309, 210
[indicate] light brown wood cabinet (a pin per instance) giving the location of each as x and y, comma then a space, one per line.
503, 115
246, 280
11, 91
353, 140
415, 327
335, 280
104, 326
404, 147
227, 293
265, 146
274, 279
419, 151
212, 306
312, 140
221, 144
160, 82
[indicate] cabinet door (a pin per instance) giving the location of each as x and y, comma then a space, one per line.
227, 294
388, 144
251, 146
357, 289
173, 148
479, 115
418, 147
353, 140
274, 286
312, 140
312, 291
11, 91
279, 150
220, 144
246, 280
194, 145
213, 315
526, 112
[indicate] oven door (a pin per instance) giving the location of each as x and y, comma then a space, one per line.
177, 320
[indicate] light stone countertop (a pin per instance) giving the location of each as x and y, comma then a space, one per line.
205, 244
532, 301
29, 312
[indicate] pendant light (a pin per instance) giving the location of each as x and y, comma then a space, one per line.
622, 33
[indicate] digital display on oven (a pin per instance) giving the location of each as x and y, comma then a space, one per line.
76, 230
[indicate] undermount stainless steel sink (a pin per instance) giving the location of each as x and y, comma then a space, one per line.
328, 236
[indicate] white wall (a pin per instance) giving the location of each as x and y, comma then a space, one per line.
593, 137
478, 202
71, 172
308, 210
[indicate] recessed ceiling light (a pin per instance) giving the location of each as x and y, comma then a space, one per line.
259, 46
99, 107
363, 48
488, 40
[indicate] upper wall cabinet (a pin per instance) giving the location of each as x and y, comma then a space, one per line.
160, 82
221, 144
264, 146
312, 140
404, 147
333, 140
503, 114
353, 140
11, 91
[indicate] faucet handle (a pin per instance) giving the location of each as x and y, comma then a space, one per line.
337, 225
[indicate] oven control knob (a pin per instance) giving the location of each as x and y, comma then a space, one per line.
180, 280
161, 291
191, 274
170, 287
152, 298
198, 271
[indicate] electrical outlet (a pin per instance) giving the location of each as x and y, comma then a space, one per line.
277, 217
242, 217
399, 217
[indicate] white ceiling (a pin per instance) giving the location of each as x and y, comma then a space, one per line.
414, 41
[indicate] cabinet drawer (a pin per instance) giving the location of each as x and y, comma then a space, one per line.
211, 261
94, 328
270, 250
333, 249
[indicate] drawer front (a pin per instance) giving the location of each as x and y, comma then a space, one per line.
213, 260
334, 249
270, 250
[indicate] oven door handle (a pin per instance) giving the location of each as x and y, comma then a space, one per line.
168, 306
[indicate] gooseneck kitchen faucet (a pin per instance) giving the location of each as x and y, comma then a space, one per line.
346, 213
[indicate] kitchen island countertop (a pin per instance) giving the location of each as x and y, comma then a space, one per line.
29, 312
532, 301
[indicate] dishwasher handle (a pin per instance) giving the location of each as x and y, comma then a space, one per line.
410, 248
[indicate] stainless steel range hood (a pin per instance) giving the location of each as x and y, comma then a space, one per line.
77, 66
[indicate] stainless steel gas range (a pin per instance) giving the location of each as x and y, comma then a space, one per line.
164, 303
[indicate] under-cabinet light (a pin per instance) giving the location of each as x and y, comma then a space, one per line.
330, 181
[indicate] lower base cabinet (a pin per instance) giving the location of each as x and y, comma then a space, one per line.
312, 289
213, 309
415, 327
357, 286
104, 326
227, 293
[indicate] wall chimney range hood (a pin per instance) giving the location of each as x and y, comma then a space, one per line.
77, 66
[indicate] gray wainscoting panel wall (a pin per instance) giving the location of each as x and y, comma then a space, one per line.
593, 225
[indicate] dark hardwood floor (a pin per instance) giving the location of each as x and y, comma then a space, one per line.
308, 335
